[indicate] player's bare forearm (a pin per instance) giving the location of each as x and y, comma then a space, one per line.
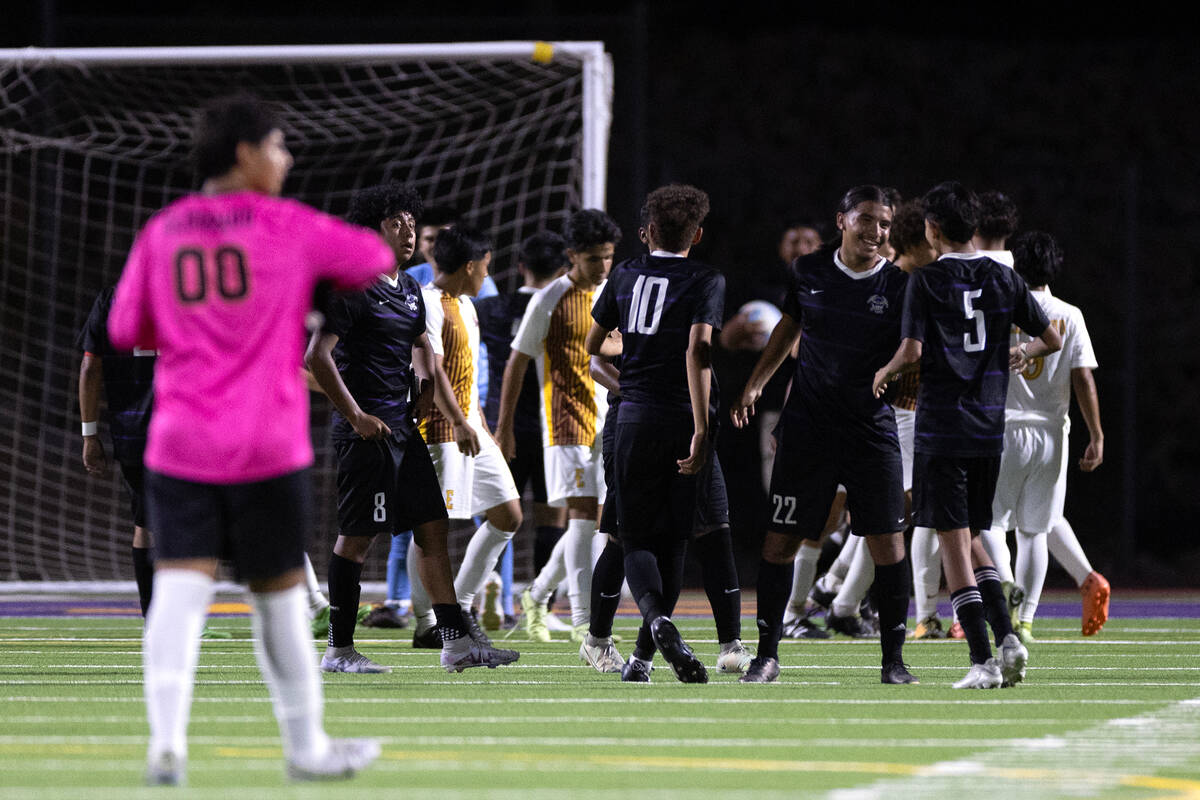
699, 377
319, 360
1049, 342
91, 383
443, 394
606, 374
423, 359
599, 343
510, 391
784, 339
310, 381
906, 359
1086, 396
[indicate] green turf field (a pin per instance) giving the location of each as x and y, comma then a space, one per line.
1113, 716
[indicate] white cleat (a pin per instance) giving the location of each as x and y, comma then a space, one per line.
734, 658
1013, 657
465, 652
982, 676
344, 758
601, 654
347, 659
166, 769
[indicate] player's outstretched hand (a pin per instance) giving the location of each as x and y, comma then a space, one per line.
369, 427
696, 457
743, 409
1093, 456
881, 382
466, 439
95, 460
507, 441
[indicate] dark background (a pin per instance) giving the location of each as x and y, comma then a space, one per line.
1089, 121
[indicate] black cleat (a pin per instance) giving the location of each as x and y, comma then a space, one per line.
819, 598
427, 640
636, 671
804, 628
473, 629
675, 650
385, 616
852, 626
896, 673
761, 670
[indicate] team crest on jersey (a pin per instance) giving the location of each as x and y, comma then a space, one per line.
877, 303
410, 302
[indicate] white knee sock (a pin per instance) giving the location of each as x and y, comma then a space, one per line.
422, 608
1032, 561
927, 571
577, 556
552, 573
316, 598
283, 645
995, 541
482, 553
858, 580
170, 650
832, 580
804, 570
1067, 551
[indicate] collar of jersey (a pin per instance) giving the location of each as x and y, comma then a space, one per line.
666, 254
858, 276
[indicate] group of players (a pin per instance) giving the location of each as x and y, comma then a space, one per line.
220, 283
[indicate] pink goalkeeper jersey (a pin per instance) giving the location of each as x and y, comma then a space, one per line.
220, 286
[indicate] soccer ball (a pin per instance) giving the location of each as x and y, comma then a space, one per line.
763, 312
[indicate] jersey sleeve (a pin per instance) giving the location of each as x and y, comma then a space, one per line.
1027, 311
348, 255
1081, 353
433, 321
916, 308
535, 325
791, 301
711, 308
129, 321
604, 310
93, 337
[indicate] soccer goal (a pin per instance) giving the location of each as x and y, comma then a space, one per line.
94, 141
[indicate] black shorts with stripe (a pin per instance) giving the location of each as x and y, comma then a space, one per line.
953, 492
386, 485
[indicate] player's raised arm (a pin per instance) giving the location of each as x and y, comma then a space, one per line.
783, 341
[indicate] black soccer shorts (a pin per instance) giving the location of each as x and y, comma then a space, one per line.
657, 503
386, 485
528, 464
133, 475
953, 492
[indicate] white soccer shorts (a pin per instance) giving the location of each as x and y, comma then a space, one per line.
1032, 485
573, 470
472, 485
906, 429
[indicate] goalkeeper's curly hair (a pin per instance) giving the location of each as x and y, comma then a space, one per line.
676, 211
371, 206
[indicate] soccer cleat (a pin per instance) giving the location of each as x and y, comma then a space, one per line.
344, 758
819, 599
853, 626
734, 658
929, 628
688, 668
982, 676
347, 659
896, 673
636, 670
166, 769
761, 670
362, 613
1025, 633
1016, 596
493, 615
210, 633
804, 628
601, 654
1096, 591
1012, 656
535, 618
428, 639
473, 629
320, 623
556, 625
381, 615
956, 631
579, 632
464, 652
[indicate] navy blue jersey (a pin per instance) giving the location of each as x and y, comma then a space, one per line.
962, 308
654, 301
128, 382
376, 329
499, 317
850, 327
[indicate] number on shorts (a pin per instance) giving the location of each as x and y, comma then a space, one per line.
380, 514
975, 314
645, 309
782, 503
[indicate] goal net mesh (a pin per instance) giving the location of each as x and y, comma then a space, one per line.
90, 151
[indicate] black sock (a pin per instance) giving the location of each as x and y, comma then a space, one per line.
990, 588
143, 574
344, 591
968, 605
889, 592
607, 576
830, 548
545, 537
774, 588
715, 553
671, 559
645, 581
451, 624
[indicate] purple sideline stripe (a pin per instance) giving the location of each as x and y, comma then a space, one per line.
117, 607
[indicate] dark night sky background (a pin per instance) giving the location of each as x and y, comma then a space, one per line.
1090, 124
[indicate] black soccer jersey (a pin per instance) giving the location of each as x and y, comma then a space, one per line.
128, 382
499, 317
376, 329
850, 324
654, 301
962, 308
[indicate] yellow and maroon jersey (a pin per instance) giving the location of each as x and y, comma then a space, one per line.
453, 331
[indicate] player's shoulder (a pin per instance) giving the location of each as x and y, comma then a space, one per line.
549, 295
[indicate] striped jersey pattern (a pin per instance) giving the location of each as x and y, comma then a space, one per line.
568, 391
459, 364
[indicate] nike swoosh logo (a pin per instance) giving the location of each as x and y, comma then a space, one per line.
610, 596
815, 291
735, 589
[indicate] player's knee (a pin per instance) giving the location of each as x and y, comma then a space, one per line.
506, 516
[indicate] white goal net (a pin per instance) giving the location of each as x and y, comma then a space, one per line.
93, 141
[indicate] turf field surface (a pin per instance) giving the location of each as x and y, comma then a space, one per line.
1117, 715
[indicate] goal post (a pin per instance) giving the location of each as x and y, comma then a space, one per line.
95, 140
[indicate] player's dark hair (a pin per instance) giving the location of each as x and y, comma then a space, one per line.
371, 206
457, 245
222, 125
438, 215
590, 227
1036, 257
867, 193
676, 210
543, 254
908, 226
998, 218
954, 209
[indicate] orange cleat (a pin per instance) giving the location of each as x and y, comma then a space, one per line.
956, 631
1096, 591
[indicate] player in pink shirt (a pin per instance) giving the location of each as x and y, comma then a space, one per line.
219, 283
